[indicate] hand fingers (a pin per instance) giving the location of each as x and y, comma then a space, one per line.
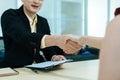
72, 47
73, 44
72, 37
58, 58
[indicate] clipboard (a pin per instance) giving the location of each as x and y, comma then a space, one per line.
47, 65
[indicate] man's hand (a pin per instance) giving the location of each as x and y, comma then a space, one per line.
65, 42
75, 38
71, 47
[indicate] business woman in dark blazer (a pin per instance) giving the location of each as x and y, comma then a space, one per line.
21, 46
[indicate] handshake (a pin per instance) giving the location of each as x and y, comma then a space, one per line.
70, 44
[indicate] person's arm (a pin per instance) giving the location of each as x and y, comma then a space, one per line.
110, 52
91, 41
16, 28
69, 47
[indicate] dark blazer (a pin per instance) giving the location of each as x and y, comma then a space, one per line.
20, 43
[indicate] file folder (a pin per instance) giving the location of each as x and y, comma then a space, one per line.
47, 64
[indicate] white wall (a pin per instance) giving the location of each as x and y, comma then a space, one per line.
97, 14
60, 17
4, 5
48, 11
97, 17
114, 5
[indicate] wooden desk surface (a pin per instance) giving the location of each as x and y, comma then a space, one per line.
82, 70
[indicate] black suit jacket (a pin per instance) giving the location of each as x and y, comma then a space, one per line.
19, 42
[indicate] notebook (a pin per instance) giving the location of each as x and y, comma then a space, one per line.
47, 64
7, 72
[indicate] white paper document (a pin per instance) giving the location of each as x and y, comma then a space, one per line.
47, 64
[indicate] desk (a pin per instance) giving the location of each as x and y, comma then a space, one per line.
82, 70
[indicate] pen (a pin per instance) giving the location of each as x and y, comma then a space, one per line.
41, 53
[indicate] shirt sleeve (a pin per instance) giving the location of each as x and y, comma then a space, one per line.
43, 42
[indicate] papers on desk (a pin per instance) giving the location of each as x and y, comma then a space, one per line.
47, 64
7, 72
